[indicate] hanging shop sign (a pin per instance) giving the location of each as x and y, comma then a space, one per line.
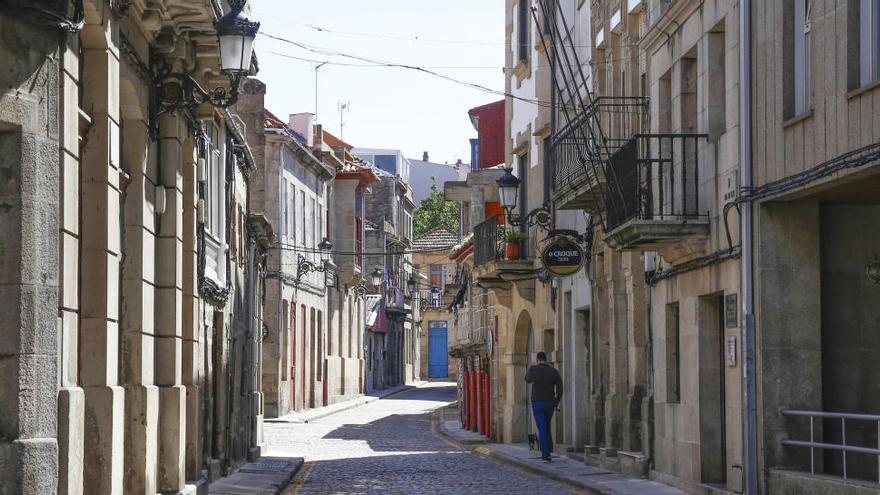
563, 257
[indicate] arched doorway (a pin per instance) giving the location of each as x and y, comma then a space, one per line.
523, 355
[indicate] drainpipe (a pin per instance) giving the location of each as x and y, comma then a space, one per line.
748, 315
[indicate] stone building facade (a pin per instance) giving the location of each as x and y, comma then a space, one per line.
395, 354
137, 288
645, 149
436, 279
815, 205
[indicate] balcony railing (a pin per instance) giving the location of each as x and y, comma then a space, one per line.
487, 241
655, 177
395, 301
843, 447
576, 154
434, 298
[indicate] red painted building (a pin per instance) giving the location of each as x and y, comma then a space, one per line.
488, 120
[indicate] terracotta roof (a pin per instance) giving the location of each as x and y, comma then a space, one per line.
334, 141
437, 239
273, 122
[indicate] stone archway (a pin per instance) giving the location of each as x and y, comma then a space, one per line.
518, 395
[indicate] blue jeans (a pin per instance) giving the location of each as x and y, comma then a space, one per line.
543, 414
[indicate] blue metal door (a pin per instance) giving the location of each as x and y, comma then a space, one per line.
438, 357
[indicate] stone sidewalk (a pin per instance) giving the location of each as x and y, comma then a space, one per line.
267, 476
323, 412
564, 469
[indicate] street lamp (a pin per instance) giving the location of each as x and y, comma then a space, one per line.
325, 246
304, 266
411, 284
377, 277
508, 189
235, 36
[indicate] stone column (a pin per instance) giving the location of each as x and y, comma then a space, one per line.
516, 397
636, 337
71, 399
615, 401
598, 353
138, 297
29, 247
193, 348
169, 305
100, 260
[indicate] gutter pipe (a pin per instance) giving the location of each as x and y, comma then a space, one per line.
748, 317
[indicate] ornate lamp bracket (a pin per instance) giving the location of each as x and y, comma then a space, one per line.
540, 217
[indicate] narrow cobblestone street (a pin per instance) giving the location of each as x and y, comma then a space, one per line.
388, 447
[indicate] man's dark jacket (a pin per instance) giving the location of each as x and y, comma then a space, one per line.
544, 379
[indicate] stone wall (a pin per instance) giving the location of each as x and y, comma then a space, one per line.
29, 263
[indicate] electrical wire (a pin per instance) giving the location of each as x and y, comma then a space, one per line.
332, 53
315, 250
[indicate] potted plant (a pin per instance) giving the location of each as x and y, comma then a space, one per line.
514, 240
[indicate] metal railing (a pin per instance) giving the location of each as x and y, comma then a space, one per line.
575, 156
843, 447
655, 177
487, 246
434, 298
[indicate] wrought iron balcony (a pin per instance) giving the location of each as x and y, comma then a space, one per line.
578, 152
654, 192
492, 268
436, 298
488, 236
395, 302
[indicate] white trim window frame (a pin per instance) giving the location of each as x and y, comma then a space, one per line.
215, 203
869, 41
803, 99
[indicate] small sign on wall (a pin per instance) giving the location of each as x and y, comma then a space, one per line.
731, 311
730, 351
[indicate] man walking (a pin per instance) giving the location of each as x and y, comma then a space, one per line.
546, 394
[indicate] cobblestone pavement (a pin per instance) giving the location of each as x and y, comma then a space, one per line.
388, 447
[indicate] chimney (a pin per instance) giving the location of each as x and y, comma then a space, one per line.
317, 137
303, 123
425, 156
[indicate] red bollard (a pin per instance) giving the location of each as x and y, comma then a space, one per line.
486, 409
466, 400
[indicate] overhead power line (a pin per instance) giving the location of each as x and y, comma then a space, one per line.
332, 53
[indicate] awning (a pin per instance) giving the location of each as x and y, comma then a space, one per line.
377, 320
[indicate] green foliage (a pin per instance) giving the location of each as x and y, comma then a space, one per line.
515, 236
433, 211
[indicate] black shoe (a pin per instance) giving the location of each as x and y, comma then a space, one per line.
546, 459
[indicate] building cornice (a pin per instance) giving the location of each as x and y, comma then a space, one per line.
677, 12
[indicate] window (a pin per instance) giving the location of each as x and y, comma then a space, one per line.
358, 228
523, 162
313, 235
438, 282
320, 221
522, 30
673, 354
302, 226
285, 211
869, 41
291, 207
388, 163
214, 181
802, 54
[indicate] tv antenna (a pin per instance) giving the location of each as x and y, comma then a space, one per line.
344, 108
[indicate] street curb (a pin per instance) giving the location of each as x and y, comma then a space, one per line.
512, 461
360, 401
480, 448
459, 442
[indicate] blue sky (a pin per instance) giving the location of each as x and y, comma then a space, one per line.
390, 107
